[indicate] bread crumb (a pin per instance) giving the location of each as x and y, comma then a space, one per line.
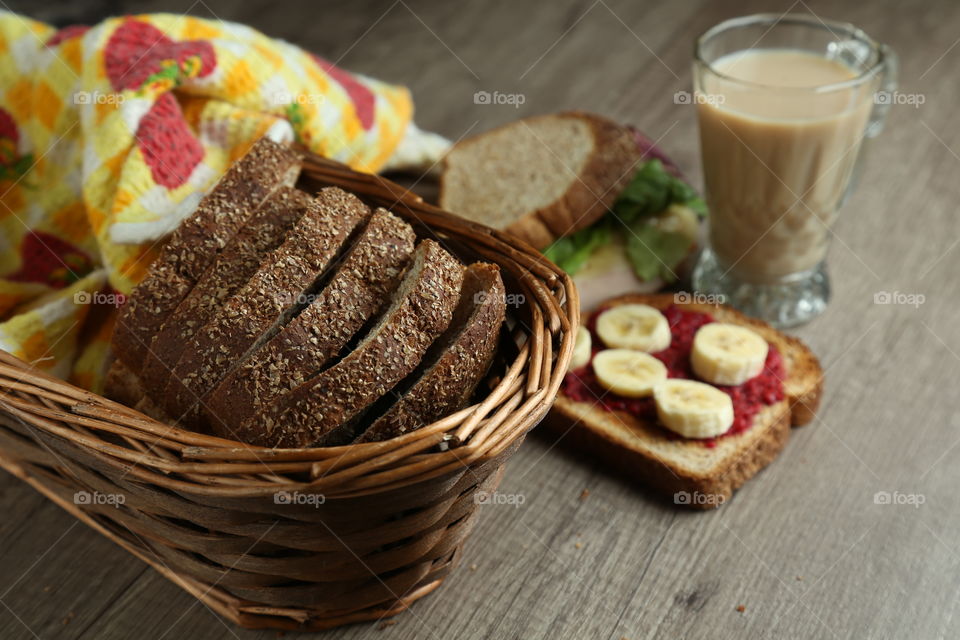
799, 578
741, 608
584, 494
69, 618
579, 545
473, 567
386, 623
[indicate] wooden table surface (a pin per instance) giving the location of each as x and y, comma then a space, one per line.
803, 548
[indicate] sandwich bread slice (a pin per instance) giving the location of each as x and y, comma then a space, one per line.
603, 409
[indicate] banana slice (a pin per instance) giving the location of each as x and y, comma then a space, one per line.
581, 349
627, 372
634, 326
727, 353
693, 409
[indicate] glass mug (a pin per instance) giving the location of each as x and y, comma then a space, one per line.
783, 104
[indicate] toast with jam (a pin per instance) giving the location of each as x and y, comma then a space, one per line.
690, 399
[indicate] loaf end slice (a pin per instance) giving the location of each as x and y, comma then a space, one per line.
262, 306
454, 364
198, 240
358, 289
323, 410
235, 265
540, 178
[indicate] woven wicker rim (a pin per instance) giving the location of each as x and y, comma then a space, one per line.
180, 460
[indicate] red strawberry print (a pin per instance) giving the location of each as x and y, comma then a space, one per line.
12, 164
137, 50
169, 147
47, 259
363, 99
138, 53
72, 31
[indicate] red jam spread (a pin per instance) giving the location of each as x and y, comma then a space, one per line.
748, 398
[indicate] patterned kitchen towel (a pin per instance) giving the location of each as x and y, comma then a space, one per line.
110, 135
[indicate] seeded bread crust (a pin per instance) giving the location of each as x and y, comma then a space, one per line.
232, 268
590, 194
261, 306
455, 363
197, 242
670, 465
358, 289
321, 410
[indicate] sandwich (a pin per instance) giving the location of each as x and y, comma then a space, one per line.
688, 399
598, 198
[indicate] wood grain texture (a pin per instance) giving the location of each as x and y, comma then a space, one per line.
803, 547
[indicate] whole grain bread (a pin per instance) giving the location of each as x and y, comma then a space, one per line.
540, 178
196, 243
678, 466
121, 385
235, 265
369, 271
454, 364
322, 411
265, 303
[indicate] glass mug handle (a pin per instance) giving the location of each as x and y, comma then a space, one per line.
884, 96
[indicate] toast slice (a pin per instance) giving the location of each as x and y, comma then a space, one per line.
454, 364
198, 240
264, 305
356, 291
322, 411
554, 174
230, 270
696, 475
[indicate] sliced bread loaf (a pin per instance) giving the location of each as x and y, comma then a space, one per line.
358, 289
540, 178
265, 303
196, 243
235, 265
322, 410
452, 367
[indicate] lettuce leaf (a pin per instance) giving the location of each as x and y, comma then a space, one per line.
571, 252
652, 251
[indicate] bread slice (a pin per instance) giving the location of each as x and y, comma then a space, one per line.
122, 385
454, 364
267, 301
322, 410
196, 243
230, 270
669, 464
540, 178
355, 292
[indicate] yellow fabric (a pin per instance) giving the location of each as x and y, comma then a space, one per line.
110, 135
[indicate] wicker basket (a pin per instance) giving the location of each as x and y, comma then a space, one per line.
301, 539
